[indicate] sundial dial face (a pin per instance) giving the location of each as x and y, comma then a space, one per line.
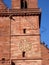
24, 45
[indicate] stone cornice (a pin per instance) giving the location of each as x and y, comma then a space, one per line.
19, 12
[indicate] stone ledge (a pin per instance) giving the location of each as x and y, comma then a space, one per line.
7, 12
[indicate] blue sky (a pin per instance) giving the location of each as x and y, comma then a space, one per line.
44, 5
44, 30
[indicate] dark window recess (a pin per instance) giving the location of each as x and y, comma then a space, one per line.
23, 4
12, 63
3, 60
24, 30
23, 54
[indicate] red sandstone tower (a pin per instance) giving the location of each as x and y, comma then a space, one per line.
25, 35
19, 34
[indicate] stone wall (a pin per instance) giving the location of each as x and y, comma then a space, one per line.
2, 5
45, 55
16, 4
4, 38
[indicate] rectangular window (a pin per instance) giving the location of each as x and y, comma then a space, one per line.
24, 31
3, 60
23, 54
23, 4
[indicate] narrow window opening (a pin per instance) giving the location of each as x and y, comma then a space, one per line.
12, 63
23, 53
3, 60
23, 4
24, 30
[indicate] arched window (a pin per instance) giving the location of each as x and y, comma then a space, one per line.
23, 4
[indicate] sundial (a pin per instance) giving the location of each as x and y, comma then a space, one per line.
24, 45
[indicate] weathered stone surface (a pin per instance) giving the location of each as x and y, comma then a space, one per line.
13, 40
27, 62
4, 47
45, 54
5, 63
4, 26
30, 23
16, 4
29, 44
4, 38
2, 5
